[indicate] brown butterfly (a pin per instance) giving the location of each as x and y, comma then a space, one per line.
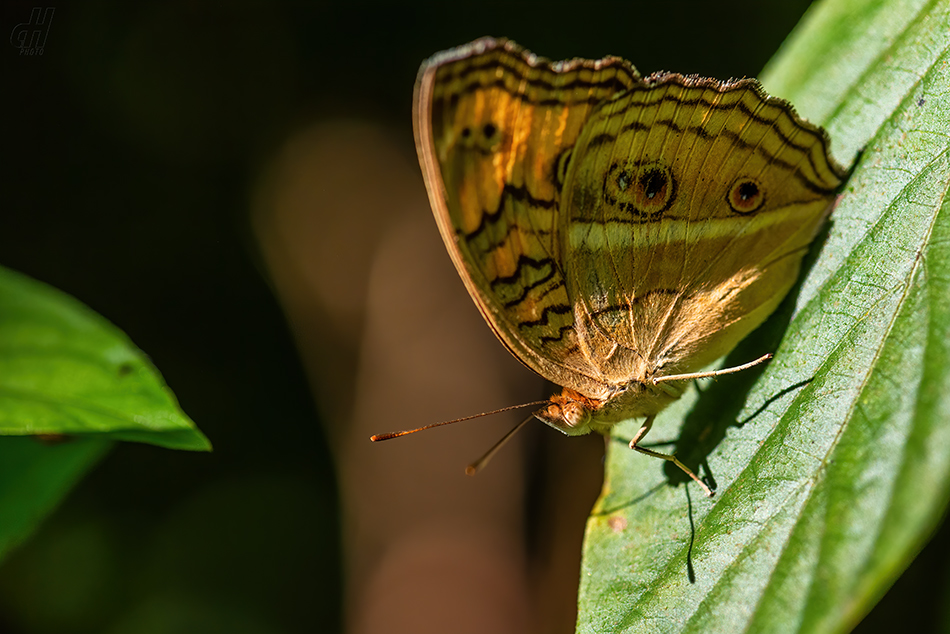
617, 232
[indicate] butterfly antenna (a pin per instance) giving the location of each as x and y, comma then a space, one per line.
397, 434
477, 466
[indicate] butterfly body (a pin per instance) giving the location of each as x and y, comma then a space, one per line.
612, 229
576, 414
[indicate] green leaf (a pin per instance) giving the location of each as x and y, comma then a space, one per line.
64, 370
69, 375
833, 463
34, 477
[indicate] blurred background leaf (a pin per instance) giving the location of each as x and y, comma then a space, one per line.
34, 478
833, 464
66, 371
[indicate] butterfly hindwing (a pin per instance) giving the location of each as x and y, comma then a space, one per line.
689, 204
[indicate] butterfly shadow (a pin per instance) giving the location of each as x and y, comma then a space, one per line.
721, 401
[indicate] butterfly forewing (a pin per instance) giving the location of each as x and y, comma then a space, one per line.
494, 129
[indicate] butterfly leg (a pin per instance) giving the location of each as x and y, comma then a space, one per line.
644, 430
714, 373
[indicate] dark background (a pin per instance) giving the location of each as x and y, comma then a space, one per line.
132, 145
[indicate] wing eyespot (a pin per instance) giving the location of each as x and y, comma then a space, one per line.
645, 190
745, 196
484, 138
653, 184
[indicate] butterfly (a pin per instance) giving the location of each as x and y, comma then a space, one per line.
617, 232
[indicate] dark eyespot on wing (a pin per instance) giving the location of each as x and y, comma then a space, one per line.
745, 196
642, 191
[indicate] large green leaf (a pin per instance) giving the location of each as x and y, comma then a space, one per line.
70, 382
832, 464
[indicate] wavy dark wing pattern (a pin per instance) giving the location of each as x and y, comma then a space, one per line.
689, 204
495, 126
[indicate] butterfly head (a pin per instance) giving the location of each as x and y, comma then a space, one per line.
575, 414
569, 412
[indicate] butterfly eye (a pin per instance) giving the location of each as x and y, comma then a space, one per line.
745, 196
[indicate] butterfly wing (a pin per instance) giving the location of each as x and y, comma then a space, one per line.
494, 125
689, 204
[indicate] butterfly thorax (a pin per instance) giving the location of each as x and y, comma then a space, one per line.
575, 414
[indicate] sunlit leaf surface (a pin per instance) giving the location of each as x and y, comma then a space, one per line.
833, 463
